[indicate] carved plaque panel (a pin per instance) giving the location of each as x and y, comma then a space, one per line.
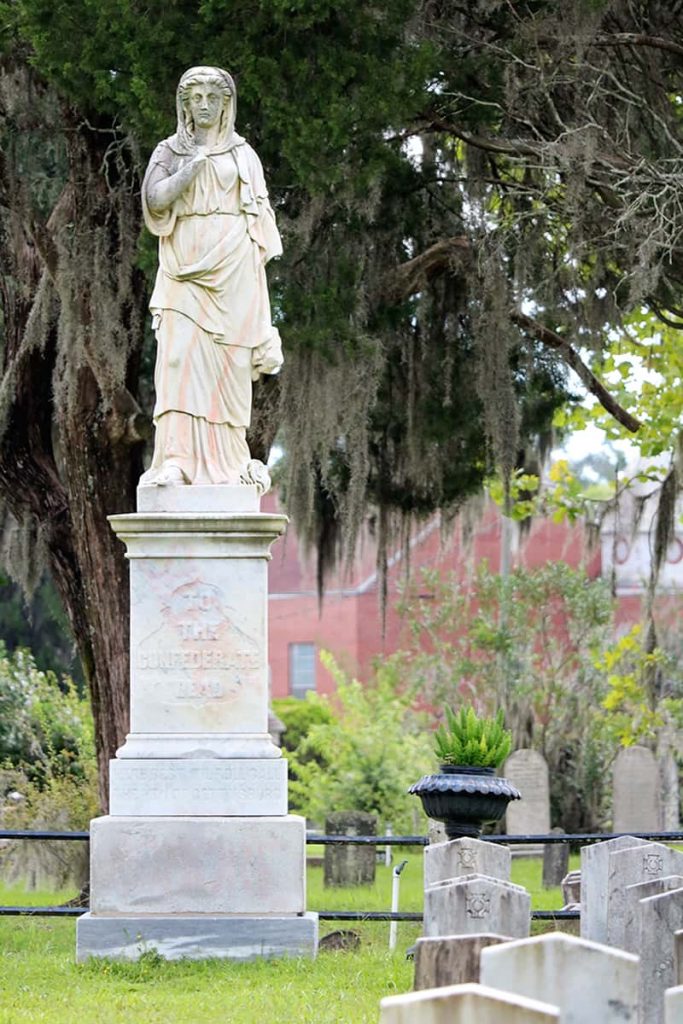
198, 646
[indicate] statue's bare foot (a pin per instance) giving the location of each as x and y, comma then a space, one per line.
170, 476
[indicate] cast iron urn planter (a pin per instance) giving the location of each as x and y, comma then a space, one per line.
464, 798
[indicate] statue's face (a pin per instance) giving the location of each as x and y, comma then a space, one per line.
205, 103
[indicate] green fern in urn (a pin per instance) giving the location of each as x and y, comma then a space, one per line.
468, 740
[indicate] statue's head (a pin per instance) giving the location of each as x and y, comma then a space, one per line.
205, 98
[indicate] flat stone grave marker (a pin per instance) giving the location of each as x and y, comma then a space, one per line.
555, 862
594, 874
346, 864
624, 930
465, 857
528, 770
660, 917
450, 959
589, 982
636, 791
437, 832
474, 904
678, 957
629, 867
465, 1004
673, 1005
571, 888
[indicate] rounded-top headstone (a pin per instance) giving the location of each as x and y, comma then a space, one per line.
528, 771
348, 864
636, 791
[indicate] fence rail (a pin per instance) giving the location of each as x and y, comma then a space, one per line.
314, 839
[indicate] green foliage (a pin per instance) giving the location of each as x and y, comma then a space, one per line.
468, 739
39, 624
367, 755
299, 716
46, 728
631, 712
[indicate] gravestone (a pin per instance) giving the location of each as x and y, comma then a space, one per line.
636, 792
474, 904
629, 867
465, 1004
347, 864
670, 793
571, 888
465, 857
450, 959
528, 771
678, 957
555, 862
660, 917
624, 932
590, 983
673, 1005
594, 875
437, 832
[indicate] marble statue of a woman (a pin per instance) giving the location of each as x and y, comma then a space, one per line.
205, 197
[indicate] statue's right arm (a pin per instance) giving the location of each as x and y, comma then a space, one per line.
163, 188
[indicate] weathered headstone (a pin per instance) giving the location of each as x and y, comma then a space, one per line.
636, 791
347, 864
555, 862
465, 857
629, 867
450, 959
571, 888
623, 927
437, 831
594, 875
673, 1005
678, 957
590, 983
465, 1004
660, 917
528, 771
670, 796
474, 904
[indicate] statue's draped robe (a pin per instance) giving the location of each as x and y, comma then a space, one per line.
211, 310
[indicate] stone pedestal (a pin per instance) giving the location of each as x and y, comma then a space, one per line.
198, 857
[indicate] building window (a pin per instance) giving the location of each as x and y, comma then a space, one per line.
301, 669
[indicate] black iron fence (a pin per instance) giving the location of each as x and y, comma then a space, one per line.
313, 839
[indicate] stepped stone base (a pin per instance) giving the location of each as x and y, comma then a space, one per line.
198, 786
200, 937
197, 865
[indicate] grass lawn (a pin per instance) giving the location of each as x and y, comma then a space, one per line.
40, 982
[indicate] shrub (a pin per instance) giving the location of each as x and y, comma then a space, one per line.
299, 716
44, 724
367, 755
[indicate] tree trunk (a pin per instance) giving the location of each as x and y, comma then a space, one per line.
65, 465
100, 480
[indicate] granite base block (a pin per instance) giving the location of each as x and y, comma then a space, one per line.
198, 786
197, 865
201, 937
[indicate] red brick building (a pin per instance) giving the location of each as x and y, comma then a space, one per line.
348, 622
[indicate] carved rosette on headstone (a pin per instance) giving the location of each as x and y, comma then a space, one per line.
198, 856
